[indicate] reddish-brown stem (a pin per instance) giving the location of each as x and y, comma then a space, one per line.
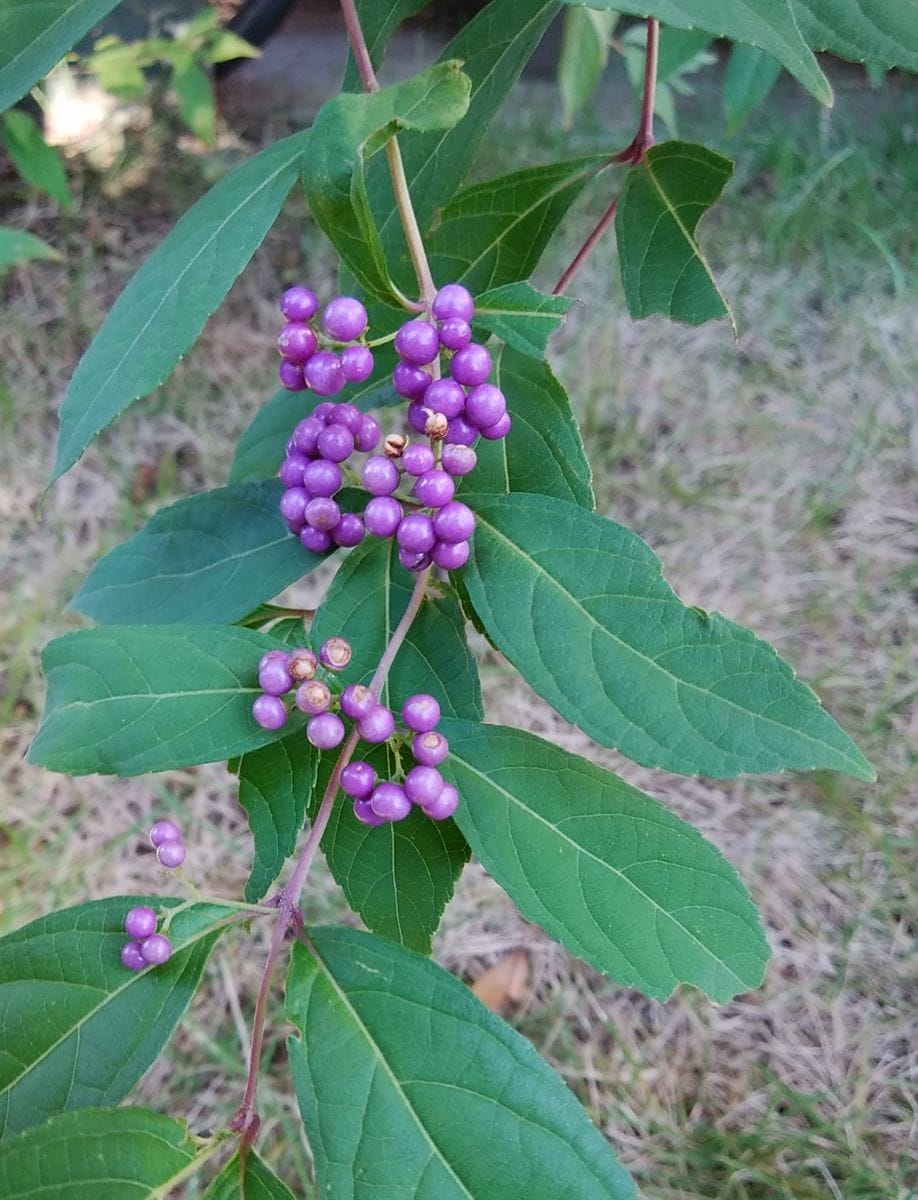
633, 153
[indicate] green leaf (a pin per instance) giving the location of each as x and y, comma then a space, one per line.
378, 20
543, 452
433, 1096
495, 232
261, 449
36, 161
399, 876
105, 1154
78, 1029
225, 46
580, 607
36, 36
17, 246
275, 785
769, 24
520, 316
663, 198
603, 868
206, 560
348, 130
364, 603
125, 699
196, 99
885, 31
583, 58
118, 66
493, 48
163, 309
248, 1180
749, 77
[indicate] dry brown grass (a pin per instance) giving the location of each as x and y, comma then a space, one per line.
775, 478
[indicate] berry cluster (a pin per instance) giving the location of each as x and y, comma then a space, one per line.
280, 671
303, 363
147, 948
166, 840
376, 803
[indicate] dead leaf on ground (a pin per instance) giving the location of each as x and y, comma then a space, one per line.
505, 984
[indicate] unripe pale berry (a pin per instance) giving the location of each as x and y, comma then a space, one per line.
302, 665
430, 748
451, 555
493, 433
416, 533
140, 922
368, 435
344, 319
335, 653
455, 333
131, 956
390, 802
455, 522
436, 426
322, 478
336, 443
357, 701
458, 459
377, 726
298, 303
445, 396
417, 342
322, 513
365, 815
324, 375
469, 366
417, 458
410, 381
382, 516
170, 855
291, 376
421, 712
379, 475
313, 697
164, 831
296, 342
270, 712
423, 785
394, 445
156, 950
358, 780
349, 531
453, 300
357, 363
274, 678
434, 488
445, 804
315, 540
325, 731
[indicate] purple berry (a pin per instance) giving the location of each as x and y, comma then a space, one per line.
323, 513
421, 712
131, 956
382, 516
445, 804
344, 319
274, 678
349, 531
380, 475
485, 405
417, 342
299, 303
322, 478
335, 653
293, 469
358, 780
270, 712
445, 396
461, 431
291, 376
325, 731
455, 333
350, 416
451, 555
170, 855
301, 665
434, 488
498, 430
156, 950
325, 412
365, 814
423, 785
410, 382
377, 726
293, 506
357, 363
470, 366
418, 414
368, 435
413, 560
357, 701
416, 533
164, 831
430, 748
324, 375
296, 342
270, 656
453, 300
313, 697
140, 922
390, 802
317, 541
458, 459
417, 458
336, 443
455, 522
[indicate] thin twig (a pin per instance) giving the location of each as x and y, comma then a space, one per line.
586, 249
